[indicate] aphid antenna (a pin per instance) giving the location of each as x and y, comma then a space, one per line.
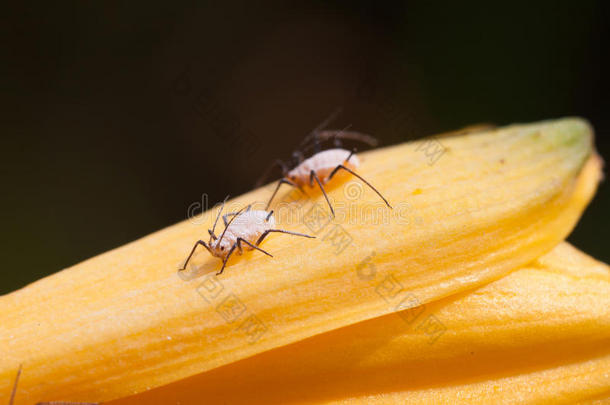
321, 126
227, 227
297, 156
336, 136
211, 232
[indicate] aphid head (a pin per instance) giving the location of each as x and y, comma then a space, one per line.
220, 248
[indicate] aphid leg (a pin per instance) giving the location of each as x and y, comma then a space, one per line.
282, 181
349, 156
228, 214
269, 216
226, 259
330, 176
314, 134
14, 391
268, 231
313, 176
199, 242
239, 240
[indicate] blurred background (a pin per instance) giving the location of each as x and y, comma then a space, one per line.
117, 116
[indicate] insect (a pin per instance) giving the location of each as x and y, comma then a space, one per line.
249, 228
14, 392
313, 142
322, 166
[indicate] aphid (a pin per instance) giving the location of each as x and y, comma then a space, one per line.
14, 391
313, 141
247, 227
321, 167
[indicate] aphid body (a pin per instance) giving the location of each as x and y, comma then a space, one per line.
249, 225
246, 229
321, 167
323, 164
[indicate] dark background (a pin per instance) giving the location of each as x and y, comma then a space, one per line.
117, 116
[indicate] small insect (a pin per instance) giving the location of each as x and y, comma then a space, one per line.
14, 392
313, 142
321, 167
249, 228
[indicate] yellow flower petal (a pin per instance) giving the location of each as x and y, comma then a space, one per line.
541, 333
125, 322
561, 384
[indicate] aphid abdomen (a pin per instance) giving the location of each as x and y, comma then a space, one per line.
253, 219
252, 222
334, 157
250, 226
322, 164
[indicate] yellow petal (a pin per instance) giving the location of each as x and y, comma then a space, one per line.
586, 380
541, 333
124, 322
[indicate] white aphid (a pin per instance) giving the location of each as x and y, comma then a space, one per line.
321, 168
249, 225
322, 163
246, 229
